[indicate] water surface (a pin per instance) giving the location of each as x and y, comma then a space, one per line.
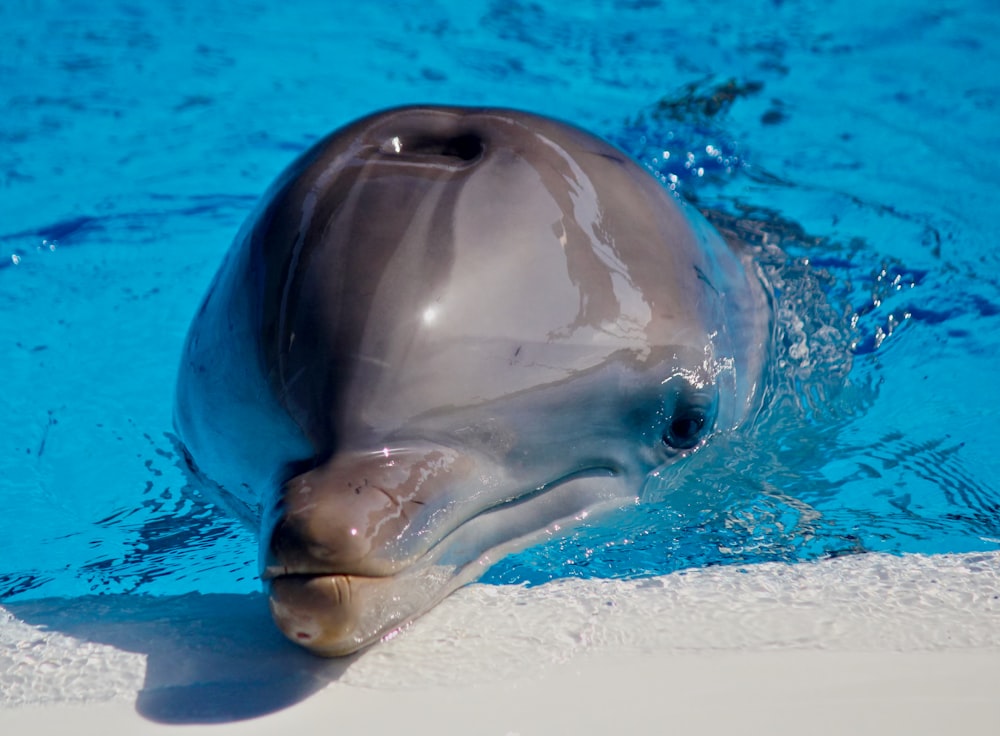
853, 149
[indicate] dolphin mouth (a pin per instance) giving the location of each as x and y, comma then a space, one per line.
337, 614
334, 612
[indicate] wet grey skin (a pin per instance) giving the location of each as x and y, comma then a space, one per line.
446, 334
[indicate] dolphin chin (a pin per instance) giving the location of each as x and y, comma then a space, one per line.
447, 333
335, 615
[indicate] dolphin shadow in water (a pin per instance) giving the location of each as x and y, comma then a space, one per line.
209, 658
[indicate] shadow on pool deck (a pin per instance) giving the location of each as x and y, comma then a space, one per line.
210, 658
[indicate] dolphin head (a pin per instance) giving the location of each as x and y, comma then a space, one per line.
484, 325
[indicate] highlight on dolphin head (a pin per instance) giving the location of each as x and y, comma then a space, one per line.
446, 334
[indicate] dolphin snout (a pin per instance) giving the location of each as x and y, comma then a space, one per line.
365, 543
368, 514
331, 524
348, 555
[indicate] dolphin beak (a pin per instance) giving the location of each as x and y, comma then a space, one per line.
347, 558
367, 542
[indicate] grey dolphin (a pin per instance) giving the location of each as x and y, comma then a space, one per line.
445, 334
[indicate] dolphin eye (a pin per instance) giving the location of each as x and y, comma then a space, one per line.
685, 429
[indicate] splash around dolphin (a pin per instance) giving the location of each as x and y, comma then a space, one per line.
444, 334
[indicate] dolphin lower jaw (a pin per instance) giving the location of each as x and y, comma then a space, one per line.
336, 613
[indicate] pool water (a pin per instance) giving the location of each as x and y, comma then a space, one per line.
854, 150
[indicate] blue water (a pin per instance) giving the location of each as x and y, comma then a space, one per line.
853, 143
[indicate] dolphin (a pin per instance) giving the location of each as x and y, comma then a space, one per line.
445, 334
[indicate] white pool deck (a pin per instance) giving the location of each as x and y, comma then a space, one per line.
869, 644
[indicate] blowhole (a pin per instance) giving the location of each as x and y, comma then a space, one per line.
465, 147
